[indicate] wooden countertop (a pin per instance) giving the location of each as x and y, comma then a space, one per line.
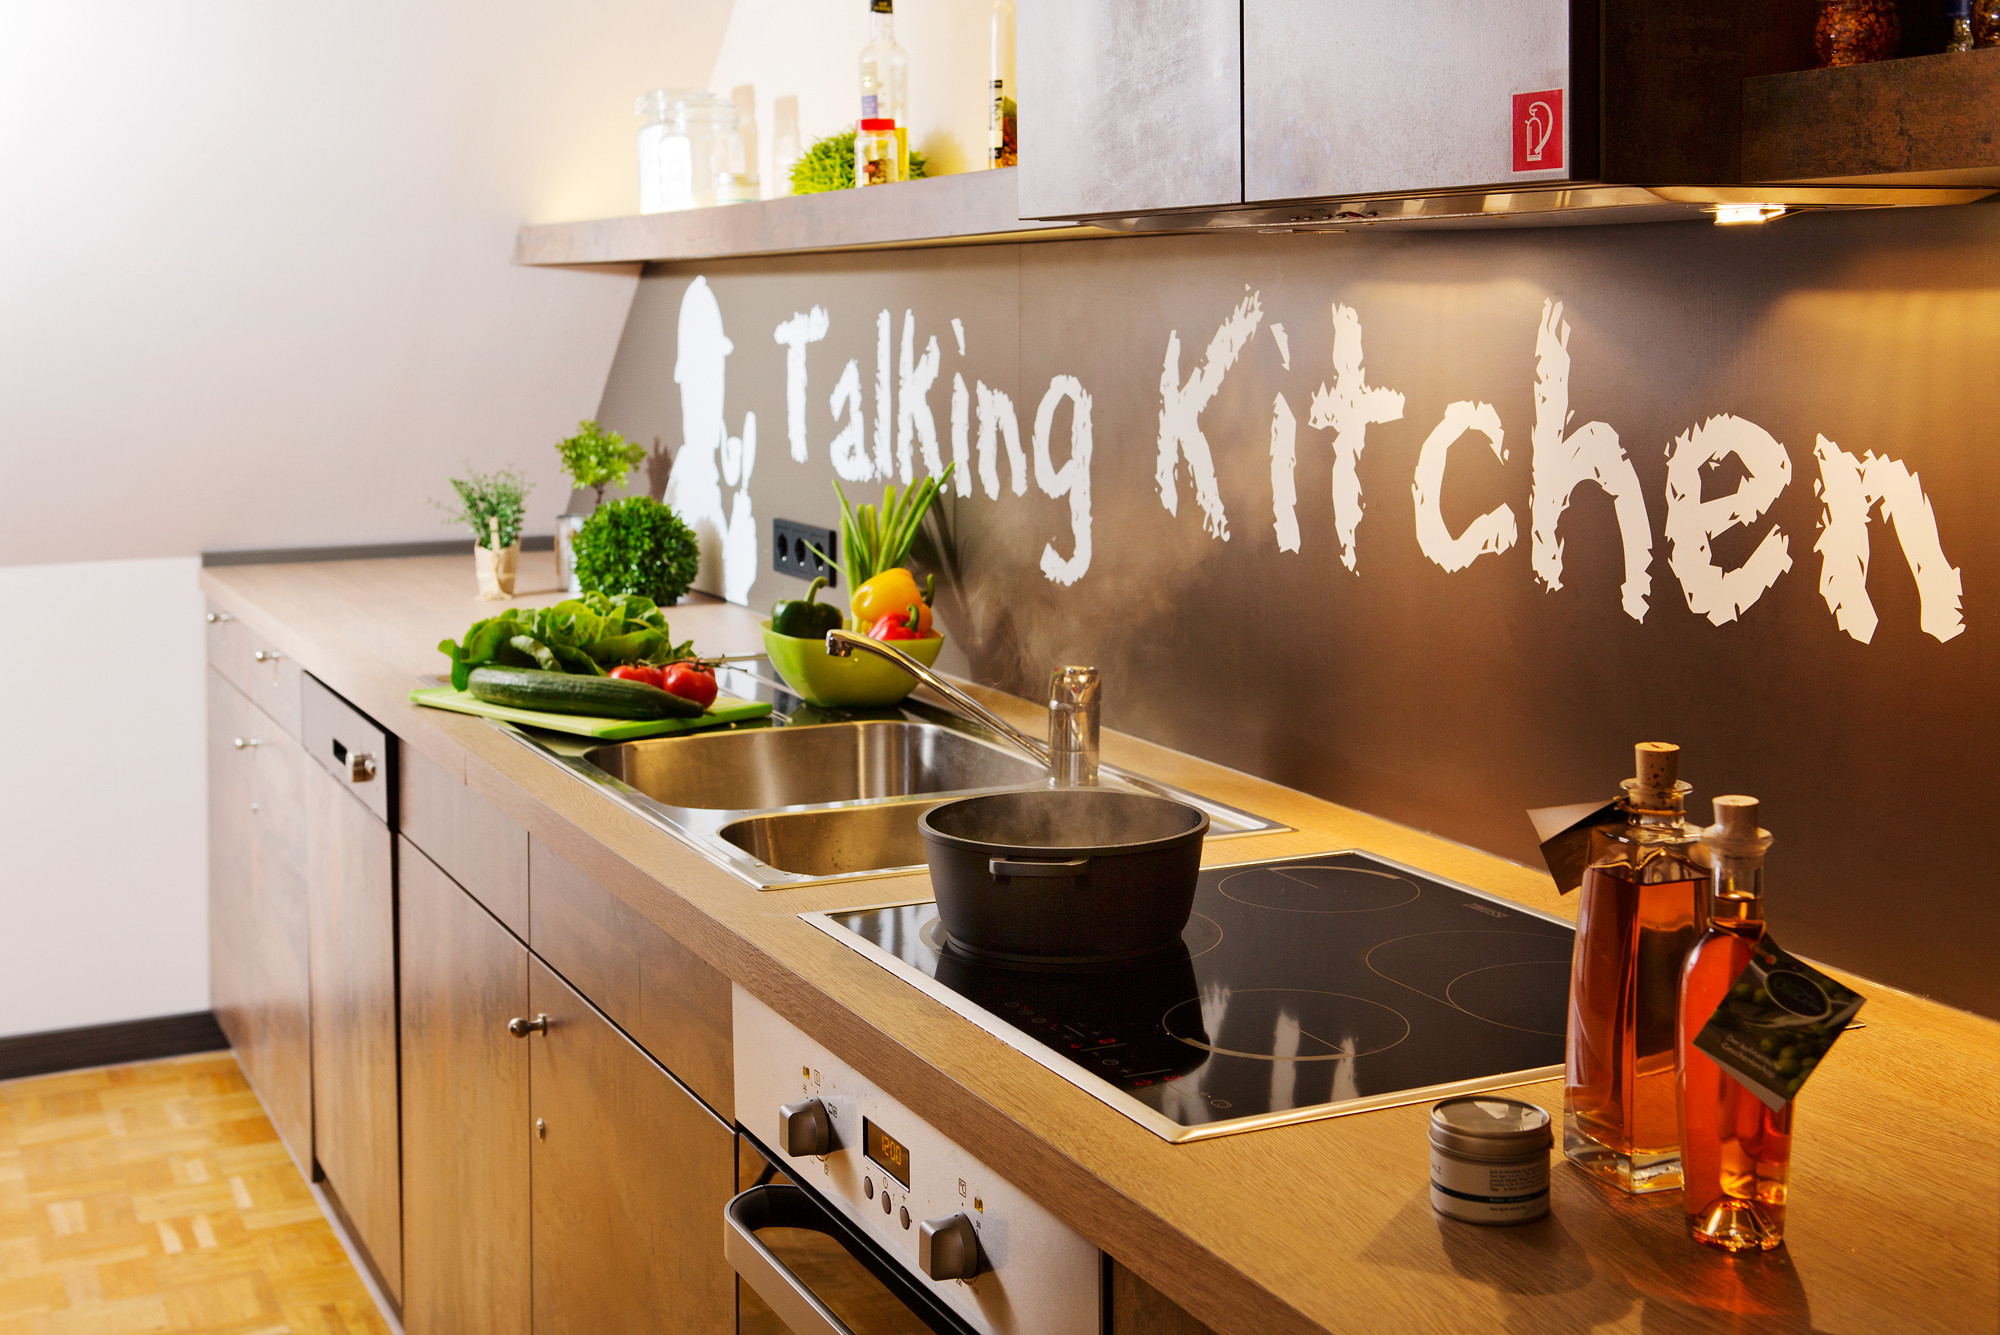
1895, 1206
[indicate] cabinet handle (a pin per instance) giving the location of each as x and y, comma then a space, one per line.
213, 617
267, 656
521, 1028
360, 767
240, 742
541, 1129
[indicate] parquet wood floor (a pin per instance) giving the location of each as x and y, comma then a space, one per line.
157, 1197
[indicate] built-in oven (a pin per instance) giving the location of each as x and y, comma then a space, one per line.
868, 1221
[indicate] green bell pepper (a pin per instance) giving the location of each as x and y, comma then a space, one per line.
806, 618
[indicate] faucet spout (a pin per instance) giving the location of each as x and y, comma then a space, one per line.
841, 643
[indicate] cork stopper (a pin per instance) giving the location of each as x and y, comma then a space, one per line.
1656, 765
1735, 832
1656, 770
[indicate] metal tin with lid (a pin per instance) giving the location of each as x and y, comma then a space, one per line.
1490, 1160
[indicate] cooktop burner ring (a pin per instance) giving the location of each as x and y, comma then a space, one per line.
1205, 931
1561, 960
1361, 1010
1243, 886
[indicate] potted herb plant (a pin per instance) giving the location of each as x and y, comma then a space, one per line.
637, 545
493, 505
594, 459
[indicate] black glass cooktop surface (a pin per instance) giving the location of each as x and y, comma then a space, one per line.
1303, 988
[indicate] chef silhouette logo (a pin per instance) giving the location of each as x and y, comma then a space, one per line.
710, 458
1538, 143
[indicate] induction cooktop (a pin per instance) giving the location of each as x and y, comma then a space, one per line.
1303, 988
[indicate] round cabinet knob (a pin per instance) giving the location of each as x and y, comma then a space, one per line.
521, 1028
805, 1129
948, 1248
213, 617
267, 655
240, 742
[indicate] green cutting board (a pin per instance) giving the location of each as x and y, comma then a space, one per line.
726, 709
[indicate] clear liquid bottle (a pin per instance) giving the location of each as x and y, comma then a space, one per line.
885, 79
1641, 913
1735, 1151
1002, 136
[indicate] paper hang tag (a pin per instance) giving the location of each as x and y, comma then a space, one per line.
1776, 1024
1564, 833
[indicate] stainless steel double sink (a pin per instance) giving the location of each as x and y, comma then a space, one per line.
814, 796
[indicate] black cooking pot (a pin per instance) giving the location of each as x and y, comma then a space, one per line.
1064, 875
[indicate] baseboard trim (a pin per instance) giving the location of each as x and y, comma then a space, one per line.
109, 1044
269, 556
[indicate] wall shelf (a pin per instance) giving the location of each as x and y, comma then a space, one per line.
971, 208
1920, 121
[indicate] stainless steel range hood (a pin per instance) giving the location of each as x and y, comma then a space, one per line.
1328, 115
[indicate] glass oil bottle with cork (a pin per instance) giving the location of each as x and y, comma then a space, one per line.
1735, 1149
1641, 913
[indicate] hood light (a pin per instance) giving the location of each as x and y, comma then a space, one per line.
1731, 215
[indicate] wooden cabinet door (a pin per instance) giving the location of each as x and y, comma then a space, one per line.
258, 959
465, 1110
630, 1177
350, 880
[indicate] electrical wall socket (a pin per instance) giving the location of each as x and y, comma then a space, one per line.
792, 554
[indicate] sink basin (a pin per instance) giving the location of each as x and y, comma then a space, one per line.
810, 802
837, 842
810, 765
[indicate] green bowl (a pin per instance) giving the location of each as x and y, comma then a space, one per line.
859, 681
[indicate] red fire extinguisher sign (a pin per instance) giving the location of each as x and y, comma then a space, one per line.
1538, 131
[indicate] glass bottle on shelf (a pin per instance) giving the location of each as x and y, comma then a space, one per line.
1986, 22
1002, 137
1640, 914
885, 80
664, 180
1961, 26
1735, 1151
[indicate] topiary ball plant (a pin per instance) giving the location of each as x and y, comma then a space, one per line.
637, 545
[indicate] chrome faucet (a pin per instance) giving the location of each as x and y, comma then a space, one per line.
1071, 753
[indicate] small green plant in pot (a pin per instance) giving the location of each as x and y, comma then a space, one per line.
493, 506
637, 545
594, 459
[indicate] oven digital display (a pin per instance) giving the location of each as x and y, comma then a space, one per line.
888, 1153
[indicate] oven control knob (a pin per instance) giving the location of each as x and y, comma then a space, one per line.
948, 1248
805, 1129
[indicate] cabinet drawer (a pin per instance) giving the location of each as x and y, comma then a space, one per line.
466, 835
252, 663
348, 744
672, 1002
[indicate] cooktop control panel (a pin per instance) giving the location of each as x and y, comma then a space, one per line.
922, 1198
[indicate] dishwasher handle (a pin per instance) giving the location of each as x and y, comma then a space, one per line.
786, 1206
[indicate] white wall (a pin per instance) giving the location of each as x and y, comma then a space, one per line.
103, 878
811, 49
255, 291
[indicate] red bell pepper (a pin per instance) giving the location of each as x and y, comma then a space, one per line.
906, 625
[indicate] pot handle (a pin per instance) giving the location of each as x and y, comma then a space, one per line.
1005, 867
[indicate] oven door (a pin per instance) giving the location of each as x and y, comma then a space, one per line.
818, 1275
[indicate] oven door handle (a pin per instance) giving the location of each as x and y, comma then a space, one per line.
785, 1206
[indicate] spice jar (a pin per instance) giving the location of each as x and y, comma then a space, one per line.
876, 152
1490, 1160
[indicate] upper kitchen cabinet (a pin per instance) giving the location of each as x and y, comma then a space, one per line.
1372, 96
1136, 106
1188, 115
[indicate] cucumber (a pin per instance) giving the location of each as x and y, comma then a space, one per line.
573, 693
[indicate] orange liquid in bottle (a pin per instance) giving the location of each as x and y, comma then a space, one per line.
1632, 940
1735, 1152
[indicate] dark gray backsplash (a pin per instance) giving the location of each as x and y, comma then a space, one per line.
1449, 700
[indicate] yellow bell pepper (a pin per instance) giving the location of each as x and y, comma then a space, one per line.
894, 591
